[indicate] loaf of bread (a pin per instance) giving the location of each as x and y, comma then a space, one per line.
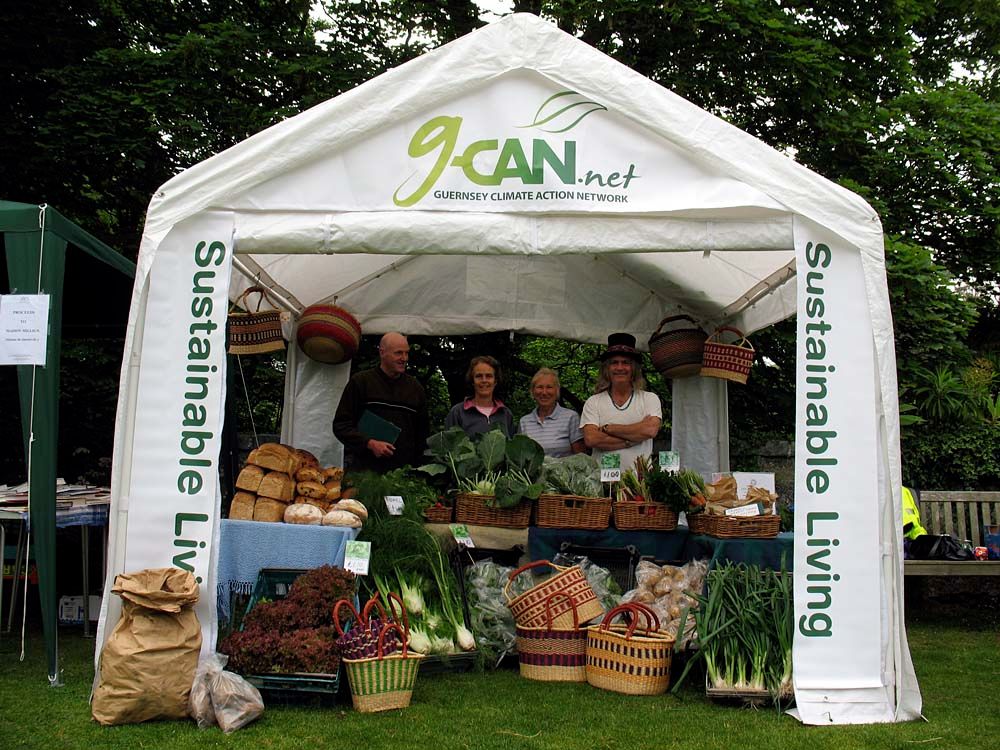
341, 518
304, 513
308, 474
307, 460
332, 492
333, 472
249, 478
274, 457
278, 486
311, 489
241, 509
266, 509
352, 506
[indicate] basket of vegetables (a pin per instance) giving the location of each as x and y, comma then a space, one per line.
572, 497
384, 681
438, 513
496, 477
640, 505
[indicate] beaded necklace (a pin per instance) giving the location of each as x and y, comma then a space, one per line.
627, 403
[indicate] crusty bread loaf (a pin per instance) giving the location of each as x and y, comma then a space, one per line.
307, 459
249, 478
307, 474
274, 457
311, 489
333, 492
266, 509
352, 506
341, 518
333, 472
278, 486
241, 509
304, 513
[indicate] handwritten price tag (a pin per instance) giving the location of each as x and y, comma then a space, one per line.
357, 555
611, 475
394, 504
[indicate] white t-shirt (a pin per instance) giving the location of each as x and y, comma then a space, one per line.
599, 409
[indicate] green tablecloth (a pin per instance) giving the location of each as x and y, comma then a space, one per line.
679, 545
765, 553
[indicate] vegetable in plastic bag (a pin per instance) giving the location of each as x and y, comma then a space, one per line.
223, 698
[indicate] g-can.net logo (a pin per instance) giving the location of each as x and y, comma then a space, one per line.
437, 141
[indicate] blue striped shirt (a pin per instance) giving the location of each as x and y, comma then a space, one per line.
556, 433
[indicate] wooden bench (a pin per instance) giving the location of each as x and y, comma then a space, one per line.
963, 515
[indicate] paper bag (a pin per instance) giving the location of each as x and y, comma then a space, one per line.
149, 661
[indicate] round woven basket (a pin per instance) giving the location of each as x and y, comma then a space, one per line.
677, 352
727, 361
328, 334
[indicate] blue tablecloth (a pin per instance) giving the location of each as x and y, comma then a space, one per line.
246, 547
765, 553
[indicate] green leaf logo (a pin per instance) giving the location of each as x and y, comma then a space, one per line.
563, 111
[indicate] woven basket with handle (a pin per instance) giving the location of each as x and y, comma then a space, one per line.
677, 352
552, 654
727, 361
385, 681
257, 331
530, 609
623, 660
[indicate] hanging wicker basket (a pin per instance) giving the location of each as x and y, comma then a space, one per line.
328, 334
677, 352
257, 331
727, 361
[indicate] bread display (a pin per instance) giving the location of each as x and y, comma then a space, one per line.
277, 486
303, 513
241, 509
280, 483
249, 478
266, 509
275, 457
341, 518
352, 506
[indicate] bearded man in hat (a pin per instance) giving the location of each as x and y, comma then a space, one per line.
622, 416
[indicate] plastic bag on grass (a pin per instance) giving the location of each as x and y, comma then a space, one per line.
223, 698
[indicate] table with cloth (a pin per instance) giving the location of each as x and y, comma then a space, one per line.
678, 545
247, 547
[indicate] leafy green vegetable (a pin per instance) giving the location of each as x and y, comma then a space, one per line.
578, 474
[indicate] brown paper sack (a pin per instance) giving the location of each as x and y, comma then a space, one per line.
148, 663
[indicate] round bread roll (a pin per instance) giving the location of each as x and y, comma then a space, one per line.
333, 472
352, 506
341, 518
304, 514
309, 474
307, 458
311, 489
333, 493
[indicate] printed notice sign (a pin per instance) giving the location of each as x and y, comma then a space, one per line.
24, 327
357, 555
611, 467
394, 504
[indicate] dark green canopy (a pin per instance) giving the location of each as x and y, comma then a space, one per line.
35, 238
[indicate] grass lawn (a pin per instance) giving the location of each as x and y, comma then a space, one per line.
957, 658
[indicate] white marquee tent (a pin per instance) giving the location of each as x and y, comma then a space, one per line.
517, 179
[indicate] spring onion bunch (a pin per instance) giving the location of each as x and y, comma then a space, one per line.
745, 627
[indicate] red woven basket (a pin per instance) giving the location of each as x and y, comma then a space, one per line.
727, 361
328, 334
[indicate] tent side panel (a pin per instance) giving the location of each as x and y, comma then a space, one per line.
173, 496
840, 600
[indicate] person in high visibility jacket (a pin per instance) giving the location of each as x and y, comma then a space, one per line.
911, 516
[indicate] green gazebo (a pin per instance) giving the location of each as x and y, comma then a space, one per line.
35, 239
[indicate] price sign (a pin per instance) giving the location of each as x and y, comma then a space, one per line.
357, 556
754, 509
394, 504
611, 470
670, 461
461, 534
